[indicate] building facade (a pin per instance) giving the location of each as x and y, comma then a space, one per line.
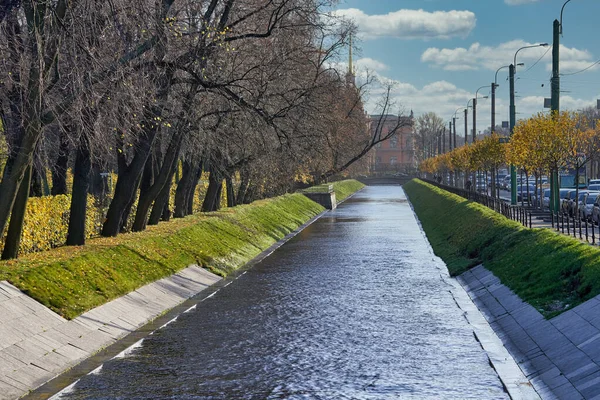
396, 154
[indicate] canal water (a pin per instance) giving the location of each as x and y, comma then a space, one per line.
354, 307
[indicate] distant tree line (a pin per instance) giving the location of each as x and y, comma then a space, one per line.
152, 88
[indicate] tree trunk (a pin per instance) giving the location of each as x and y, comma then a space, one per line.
36, 188
250, 194
230, 192
212, 197
183, 186
128, 180
127, 211
167, 171
161, 209
59, 172
81, 184
217, 201
192, 190
245, 179
15, 228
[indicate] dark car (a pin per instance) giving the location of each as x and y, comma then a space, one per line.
524, 190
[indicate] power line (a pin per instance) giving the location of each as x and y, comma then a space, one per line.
539, 59
583, 70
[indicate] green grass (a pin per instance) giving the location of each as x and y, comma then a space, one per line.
342, 189
550, 271
72, 280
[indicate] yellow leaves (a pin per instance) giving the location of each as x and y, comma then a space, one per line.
538, 144
551, 141
47, 220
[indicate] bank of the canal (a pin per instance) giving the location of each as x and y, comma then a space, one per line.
538, 290
355, 306
81, 285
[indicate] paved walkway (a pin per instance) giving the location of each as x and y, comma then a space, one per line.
560, 356
37, 344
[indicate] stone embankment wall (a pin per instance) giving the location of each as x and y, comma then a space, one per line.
560, 356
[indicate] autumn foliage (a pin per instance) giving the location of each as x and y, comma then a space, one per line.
540, 144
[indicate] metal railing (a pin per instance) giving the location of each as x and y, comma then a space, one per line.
561, 221
571, 226
516, 213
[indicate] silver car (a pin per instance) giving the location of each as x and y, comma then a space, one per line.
587, 206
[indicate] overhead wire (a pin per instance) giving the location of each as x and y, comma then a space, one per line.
583, 70
539, 59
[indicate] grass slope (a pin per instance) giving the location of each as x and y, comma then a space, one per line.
550, 271
72, 280
342, 189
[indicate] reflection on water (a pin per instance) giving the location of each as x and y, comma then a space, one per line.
352, 308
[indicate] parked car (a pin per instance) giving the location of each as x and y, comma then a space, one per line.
595, 186
594, 182
546, 198
569, 196
523, 190
580, 201
596, 211
586, 209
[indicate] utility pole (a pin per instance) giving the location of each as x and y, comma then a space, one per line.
454, 123
513, 117
555, 105
475, 119
444, 141
450, 136
466, 123
493, 106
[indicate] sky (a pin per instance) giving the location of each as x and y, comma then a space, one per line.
438, 53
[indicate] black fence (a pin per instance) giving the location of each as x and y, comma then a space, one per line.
516, 213
561, 221
571, 226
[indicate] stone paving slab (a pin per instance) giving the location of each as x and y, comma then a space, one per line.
560, 356
37, 344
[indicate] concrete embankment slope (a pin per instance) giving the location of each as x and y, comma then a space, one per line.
538, 290
58, 308
560, 356
38, 344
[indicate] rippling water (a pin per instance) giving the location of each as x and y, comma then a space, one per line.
354, 307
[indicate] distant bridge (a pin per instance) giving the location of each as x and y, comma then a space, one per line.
385, 180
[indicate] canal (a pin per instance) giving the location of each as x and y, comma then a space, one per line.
353, 307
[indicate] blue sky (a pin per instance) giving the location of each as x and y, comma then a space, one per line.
439, 52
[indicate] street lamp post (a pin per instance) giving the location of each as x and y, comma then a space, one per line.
513, 118
454, 124
450, 135
467, 123
494, 87
475, 112
557, 31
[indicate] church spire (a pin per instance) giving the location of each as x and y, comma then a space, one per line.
350, 69
350, 78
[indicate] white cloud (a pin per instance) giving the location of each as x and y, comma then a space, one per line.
478, 56
570, 66
444, 98
519, 2
411, 24
370, 64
